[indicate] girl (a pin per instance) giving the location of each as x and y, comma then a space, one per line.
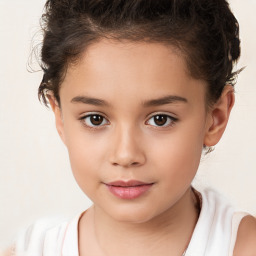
139, 90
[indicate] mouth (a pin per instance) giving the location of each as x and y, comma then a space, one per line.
128, 189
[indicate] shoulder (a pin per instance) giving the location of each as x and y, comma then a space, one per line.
8, 252
246, 237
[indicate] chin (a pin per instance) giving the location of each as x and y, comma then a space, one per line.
131, 214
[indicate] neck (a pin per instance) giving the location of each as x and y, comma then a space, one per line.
170, 231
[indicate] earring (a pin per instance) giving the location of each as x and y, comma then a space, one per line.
207, 149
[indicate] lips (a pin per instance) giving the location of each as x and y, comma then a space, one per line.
128, 189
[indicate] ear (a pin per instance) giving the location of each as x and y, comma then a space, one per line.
58, 116
218, 116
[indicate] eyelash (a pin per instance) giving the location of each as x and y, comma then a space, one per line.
171, 121
83, 120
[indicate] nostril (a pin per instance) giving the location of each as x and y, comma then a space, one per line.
127, 155
127, 164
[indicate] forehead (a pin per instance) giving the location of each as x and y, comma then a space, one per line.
130, 55
135, 69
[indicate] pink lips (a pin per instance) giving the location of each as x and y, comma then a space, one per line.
128, 189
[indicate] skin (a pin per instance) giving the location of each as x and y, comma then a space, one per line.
130, 145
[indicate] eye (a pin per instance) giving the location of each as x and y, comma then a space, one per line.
94, 120
161, 120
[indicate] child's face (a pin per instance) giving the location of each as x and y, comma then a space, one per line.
136, 136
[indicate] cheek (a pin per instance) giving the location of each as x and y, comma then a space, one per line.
86, 153
83, 145
179, 152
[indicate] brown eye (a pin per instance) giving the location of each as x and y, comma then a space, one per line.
94, 120
161, 120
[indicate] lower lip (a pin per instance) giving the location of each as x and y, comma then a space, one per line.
129, 192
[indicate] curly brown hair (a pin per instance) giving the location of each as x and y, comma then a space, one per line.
205, 31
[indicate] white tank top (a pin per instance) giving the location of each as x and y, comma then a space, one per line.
214, 235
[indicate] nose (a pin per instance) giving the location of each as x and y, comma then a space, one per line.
127, 148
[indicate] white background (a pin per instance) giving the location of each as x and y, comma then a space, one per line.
35, 176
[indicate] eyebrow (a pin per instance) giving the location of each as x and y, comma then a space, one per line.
149, 103
89, 100
164, 100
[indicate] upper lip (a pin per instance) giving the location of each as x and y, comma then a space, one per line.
129, 183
